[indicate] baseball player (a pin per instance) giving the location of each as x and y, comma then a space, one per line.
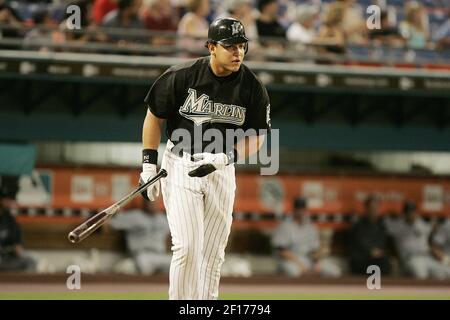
146, 232
440, 244
411, 237
297, 244
214, 92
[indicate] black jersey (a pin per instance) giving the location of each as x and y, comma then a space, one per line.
190, 96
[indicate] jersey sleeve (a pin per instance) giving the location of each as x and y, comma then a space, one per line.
281, 238
258, 116
128, 221
315, 239
160, 97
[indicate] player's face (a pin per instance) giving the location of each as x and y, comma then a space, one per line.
230, 57
299, 215
373, 208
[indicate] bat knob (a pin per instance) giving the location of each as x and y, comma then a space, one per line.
163, 173
73, 237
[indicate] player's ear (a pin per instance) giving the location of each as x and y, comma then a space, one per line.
211, 47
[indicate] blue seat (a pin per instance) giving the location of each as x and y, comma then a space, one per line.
365, 3
444, 56
58, 13
397, 3
358, 52
22, 9
430, 3
426, 56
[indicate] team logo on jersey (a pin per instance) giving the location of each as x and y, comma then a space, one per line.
236, 28
202, 109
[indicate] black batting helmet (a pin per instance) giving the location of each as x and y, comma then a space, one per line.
226, 31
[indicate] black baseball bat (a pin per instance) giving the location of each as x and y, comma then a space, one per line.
89, 226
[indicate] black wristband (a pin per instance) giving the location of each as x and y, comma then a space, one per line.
232, 156
150, 156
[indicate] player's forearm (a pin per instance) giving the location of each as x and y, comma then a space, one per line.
151, 132
288, 255
249, 146
437, 252
18, 250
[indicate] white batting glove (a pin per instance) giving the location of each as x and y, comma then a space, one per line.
218, 160
149, 171
210, 162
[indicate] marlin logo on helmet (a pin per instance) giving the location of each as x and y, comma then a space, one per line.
236, 28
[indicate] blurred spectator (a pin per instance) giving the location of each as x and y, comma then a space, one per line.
415, 26
147, 233
87, 17
101, 8
159, 15
44, 36
267, 23
353, 23
411, 238
442, 35
368, 243
440, 244
89, 29
298, 246
388, 34
242, 10
10, 24
303, 28
125, 17
331, 33
12, 253
193, 26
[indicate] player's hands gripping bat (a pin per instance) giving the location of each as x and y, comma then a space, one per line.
148, 171
92, 224
210, 162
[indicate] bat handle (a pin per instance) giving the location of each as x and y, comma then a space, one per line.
163, 173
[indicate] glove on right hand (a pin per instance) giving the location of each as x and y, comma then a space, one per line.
149, 171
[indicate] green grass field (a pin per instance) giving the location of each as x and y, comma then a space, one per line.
224, 296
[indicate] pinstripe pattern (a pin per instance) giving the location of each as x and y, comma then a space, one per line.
199, 212
219, 199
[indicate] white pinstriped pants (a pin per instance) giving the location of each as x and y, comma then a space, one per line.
199, 212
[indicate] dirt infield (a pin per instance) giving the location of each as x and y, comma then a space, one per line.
16, 286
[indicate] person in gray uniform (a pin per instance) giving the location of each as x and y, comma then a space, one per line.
440, 245
411, 238
297, 246
146, 233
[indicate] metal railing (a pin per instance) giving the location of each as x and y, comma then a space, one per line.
170, 44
